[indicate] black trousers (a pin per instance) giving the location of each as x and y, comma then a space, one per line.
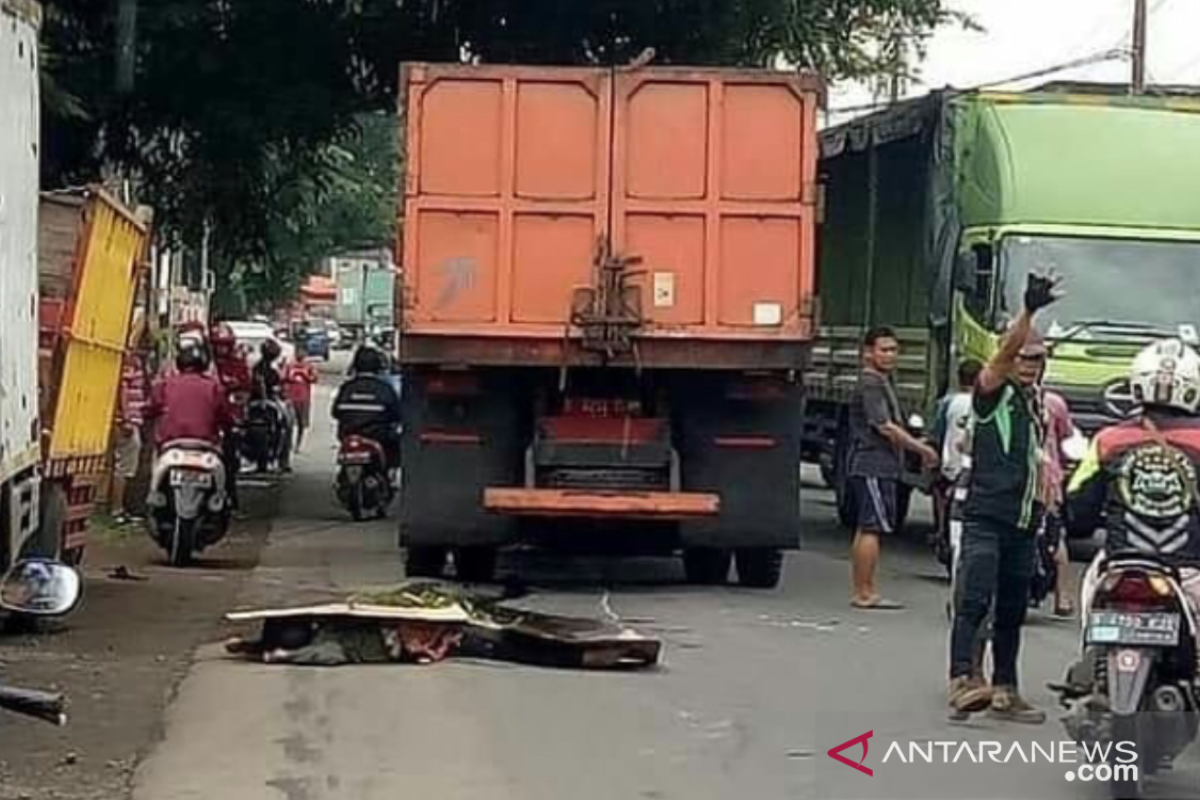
995, 564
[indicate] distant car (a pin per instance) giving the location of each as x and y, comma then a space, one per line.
316, 342
338, 338
251, 335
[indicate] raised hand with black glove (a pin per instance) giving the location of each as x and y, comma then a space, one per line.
1040, 291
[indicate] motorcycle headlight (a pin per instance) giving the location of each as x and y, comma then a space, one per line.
1075, 447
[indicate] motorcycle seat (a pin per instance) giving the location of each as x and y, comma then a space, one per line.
190, 444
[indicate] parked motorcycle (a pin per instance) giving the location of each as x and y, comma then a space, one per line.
189, 510
1136, 679
38, 587
262, 435
363, 486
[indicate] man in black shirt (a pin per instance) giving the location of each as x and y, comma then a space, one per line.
1000, 517
367, 405
878, 440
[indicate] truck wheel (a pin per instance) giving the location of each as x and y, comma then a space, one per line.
759, 567
828, 475
843, 500
706, 566
424, 562
904, 494
53, 513
475, 564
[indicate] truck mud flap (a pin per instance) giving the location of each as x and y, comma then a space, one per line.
601, 505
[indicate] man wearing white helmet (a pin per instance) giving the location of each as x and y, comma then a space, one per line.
1139, 478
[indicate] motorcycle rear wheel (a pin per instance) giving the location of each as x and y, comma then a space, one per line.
183, 542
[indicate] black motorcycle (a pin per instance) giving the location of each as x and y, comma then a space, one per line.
363, 486
1135, 683
38, 587
263, 434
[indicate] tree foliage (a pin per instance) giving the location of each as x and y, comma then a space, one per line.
240, 111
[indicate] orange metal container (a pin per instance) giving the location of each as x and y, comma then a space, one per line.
518, 176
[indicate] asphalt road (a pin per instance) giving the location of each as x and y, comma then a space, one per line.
755, 688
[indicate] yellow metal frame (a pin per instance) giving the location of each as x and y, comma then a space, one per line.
91, 347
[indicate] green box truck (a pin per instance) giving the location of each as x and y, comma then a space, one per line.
366, 294
937, 209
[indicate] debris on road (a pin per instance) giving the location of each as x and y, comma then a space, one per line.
424, 622
122, 573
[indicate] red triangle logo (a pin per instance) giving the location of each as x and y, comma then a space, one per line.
836, 752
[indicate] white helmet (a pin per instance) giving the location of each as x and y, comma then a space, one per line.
1167, 374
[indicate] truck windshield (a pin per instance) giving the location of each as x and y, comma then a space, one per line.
1113, 287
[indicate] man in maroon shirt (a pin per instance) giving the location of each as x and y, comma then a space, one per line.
190, 404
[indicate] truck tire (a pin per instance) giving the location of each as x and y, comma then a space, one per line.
904, 494
424, 562
759, 567
706, 566
843, 500
475, 564
53, 513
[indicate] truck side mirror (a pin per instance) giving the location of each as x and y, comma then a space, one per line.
978, 273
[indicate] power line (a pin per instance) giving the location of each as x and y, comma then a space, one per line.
1086, 61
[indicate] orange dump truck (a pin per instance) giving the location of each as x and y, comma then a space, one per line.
606, 308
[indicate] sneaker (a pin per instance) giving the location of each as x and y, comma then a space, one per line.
1009, 706
967, 695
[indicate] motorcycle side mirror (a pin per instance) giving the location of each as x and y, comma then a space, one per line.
40, 587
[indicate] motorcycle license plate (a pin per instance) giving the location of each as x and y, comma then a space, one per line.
355, 458
1142, 628
193, 460
188, 478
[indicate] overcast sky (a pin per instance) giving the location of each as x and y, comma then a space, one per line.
1021, 36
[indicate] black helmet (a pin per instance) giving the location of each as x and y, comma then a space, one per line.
368, 361
270, 350
191, 357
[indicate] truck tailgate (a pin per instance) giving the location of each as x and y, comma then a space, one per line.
87, 328
516, 175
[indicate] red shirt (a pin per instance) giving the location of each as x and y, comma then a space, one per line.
189, 405
132, 397
298, 380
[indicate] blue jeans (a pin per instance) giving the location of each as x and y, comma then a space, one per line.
995, 565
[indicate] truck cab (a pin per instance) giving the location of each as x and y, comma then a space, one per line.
1101, 193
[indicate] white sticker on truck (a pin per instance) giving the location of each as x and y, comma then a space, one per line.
768, 314
664, 290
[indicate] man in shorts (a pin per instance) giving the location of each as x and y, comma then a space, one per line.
878, 441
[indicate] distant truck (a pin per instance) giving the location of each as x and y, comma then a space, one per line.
607, 309
366, 295
936, 210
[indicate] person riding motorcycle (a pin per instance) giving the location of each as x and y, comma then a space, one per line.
189, 405
267, 385
234, 374
1139, 478
367, 405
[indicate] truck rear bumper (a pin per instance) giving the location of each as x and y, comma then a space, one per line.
601, 505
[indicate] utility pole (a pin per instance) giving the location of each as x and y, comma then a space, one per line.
1138, 84
127, 13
